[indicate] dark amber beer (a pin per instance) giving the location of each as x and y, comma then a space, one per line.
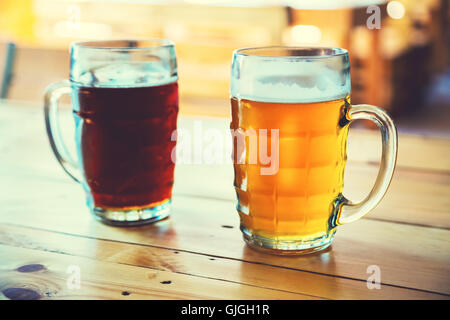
125, 144
125, 107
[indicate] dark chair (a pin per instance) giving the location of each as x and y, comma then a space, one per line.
7, 52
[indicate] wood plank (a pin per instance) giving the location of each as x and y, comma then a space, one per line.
200, 265
420, 152
409, 256
415, 151
107, 280
416, 197
419, 198
194, 216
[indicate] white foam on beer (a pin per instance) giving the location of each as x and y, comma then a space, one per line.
291, 81
127, 75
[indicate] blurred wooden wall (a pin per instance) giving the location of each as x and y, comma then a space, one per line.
205, 38
391, 67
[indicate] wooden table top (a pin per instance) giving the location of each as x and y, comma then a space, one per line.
198, 253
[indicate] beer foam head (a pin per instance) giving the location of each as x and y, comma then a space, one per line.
123, 63
290, 75
124, 74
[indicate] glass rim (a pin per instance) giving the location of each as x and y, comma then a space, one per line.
115, 44
323, 52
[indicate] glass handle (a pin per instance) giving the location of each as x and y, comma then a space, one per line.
349, 211
52, 95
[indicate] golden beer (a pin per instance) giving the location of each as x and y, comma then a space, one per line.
290, 119
297, 202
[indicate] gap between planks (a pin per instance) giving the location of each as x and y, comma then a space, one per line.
360, 244
174, 250
106, 278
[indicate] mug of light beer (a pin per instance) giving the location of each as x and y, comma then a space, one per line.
294, 105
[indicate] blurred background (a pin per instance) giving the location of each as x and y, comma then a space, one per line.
399, 50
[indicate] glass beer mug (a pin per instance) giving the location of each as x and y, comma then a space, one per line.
293, 103
125, 107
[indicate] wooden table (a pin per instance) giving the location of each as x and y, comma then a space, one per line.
47, 234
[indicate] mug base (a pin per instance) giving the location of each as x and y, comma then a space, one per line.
132, 217
287, 247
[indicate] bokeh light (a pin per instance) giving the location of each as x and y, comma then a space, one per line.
306, 34
395, 9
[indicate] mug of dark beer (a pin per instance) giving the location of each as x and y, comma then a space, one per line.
125, 106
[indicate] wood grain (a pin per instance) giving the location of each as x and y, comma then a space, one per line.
409, 256
407, 236
106, 280
420, 197
420, 152
204, 266
414, 197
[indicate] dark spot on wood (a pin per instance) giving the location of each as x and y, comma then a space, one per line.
21, 294
125, 293
176, 252
166, 282
212, 259
227, 226
31, 268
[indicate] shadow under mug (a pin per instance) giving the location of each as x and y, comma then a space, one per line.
295, 103
125, 106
